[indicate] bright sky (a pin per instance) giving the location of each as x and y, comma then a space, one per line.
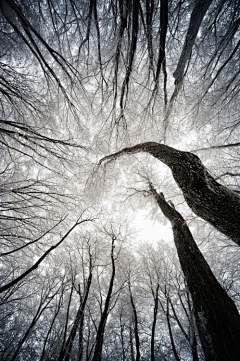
152, 230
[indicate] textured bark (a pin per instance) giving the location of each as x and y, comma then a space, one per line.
216, 315
210, 200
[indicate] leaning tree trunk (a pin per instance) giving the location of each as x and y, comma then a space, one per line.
210, 200
217, 318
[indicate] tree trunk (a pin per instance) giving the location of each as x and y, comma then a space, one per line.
135, 319
190, 338
66, 351
155, 311
36, 264
210, 200
217, 318
100, 332
122, 337
177, 358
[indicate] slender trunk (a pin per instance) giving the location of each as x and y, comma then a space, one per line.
210, 200
122, 338
170, 333
155, 311
135, 318
163, 35
191, 339
198, 13
66, 351
50, 328
101, 328
36, 317
216, 315
35, 266
66, 323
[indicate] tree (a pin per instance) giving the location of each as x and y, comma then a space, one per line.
208, 199
102, 323
82, 79
216, 315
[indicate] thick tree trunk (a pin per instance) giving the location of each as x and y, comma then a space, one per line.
217, 318
207, 198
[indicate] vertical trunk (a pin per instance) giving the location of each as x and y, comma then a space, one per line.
66, 350
155, 311
163, 35
216, 315
122, 338
32, 324
66, 323
50, 328
100, 332
135, 319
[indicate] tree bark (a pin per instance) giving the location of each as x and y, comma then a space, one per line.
216, 315
210, 200
198, 13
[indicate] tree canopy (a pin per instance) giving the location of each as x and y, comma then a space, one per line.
112, 113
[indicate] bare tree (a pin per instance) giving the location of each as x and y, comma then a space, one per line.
80, 79
217, 318
205, 196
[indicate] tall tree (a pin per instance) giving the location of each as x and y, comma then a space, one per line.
217, 318
205, 196
81, 79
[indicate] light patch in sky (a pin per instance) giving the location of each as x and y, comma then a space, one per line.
152, 230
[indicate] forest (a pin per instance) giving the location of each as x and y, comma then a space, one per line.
119, 180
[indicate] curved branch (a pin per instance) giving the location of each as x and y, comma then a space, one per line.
210, 200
